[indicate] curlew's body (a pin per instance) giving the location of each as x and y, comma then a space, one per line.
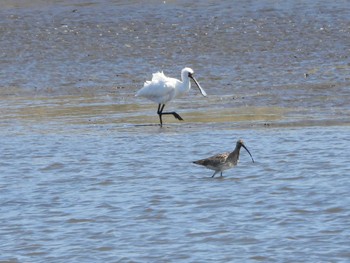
162, 89
223, 161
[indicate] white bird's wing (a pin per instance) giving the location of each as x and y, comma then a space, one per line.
159, 77
160, 89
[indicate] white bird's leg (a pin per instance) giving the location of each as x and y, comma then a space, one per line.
160, 113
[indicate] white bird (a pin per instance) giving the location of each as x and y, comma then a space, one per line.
162, 89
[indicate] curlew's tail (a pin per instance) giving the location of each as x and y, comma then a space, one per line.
200, 162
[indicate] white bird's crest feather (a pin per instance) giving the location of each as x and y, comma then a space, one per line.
156, 78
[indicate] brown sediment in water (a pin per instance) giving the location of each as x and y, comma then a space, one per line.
128, 112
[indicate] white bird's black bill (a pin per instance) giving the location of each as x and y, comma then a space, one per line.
199, 87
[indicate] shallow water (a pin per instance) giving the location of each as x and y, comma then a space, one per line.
86, 175
97, 193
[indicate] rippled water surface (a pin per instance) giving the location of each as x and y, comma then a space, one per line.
86, 175
95, 193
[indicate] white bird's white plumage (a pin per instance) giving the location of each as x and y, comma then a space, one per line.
162, 89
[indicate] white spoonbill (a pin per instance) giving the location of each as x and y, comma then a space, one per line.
162, 89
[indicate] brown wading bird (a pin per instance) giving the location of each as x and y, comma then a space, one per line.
223, 161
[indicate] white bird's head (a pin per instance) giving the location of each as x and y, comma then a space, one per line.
188, 73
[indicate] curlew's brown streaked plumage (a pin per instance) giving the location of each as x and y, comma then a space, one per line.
223, 161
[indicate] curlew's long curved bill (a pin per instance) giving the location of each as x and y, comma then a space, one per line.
248, 152
199, 87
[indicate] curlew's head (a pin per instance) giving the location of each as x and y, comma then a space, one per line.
240, 144
188, 73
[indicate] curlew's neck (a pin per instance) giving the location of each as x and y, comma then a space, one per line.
234, 156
